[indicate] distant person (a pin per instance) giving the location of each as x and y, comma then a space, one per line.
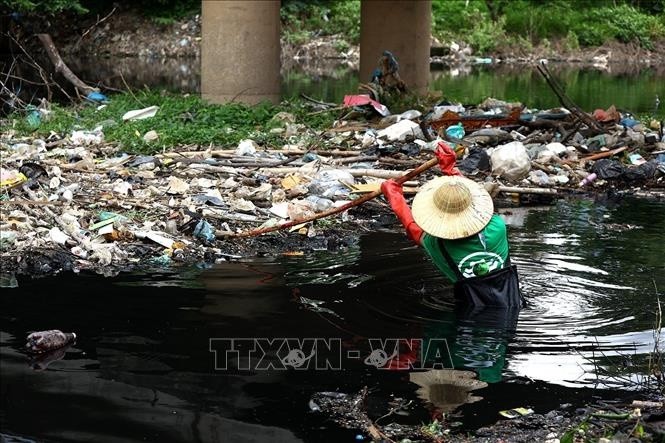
453, 220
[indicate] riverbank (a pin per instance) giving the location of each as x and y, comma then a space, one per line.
128, 34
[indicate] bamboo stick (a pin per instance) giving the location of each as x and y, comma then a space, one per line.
604, 154
377, 173
367, 197
230, 153
516, 190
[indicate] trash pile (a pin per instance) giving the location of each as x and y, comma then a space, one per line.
85, 199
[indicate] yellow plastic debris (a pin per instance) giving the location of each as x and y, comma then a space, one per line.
516, 412
11, 179
291, 181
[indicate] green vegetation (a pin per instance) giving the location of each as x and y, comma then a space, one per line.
161, 11
302, 20
181, 120
42, 6
484, 24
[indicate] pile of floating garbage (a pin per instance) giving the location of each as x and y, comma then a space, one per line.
84, 201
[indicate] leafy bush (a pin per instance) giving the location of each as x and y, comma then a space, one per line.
486, 35
537, 22
629, 25
457, 16
301, 20
42, 6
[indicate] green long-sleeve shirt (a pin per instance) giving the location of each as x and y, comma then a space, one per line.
488, 247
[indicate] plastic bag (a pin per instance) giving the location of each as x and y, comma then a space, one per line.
608, 169
455, 131
328, 183
643, 172
476, 160
510, 161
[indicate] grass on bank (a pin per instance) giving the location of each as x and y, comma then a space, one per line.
180, 120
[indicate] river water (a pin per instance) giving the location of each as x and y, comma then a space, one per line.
143, 370
629, 87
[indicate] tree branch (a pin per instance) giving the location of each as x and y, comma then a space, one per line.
61, 67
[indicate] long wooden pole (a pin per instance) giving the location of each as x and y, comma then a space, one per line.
359, 201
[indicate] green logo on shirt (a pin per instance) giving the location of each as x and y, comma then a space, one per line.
479, 263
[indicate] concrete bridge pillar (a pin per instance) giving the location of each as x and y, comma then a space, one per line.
402, 27
240, 51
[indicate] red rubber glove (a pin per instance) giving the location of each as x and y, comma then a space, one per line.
447, 159
393, 193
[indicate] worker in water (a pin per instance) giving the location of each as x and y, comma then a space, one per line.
453, 220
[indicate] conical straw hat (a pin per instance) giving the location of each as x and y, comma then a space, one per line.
452, 207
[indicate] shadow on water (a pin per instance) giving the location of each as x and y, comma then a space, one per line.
143, 369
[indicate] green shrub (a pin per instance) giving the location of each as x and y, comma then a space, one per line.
42, 6
622, 22
457, 17
486, 35
571, 42
301, 20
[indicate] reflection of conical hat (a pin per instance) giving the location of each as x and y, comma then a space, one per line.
452, 207
446, 388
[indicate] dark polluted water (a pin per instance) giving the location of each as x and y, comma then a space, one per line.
142, 368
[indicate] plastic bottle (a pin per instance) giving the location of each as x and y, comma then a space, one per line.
320, 203
588, 179
45, 341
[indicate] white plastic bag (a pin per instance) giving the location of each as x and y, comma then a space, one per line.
510, 161
327, 183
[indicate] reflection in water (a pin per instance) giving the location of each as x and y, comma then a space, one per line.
628, 87
446, 389
142, 367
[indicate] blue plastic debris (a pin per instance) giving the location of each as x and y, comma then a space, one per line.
360, 437
162, 260
204, 231
629, 122
97, 97
455, 132
309, 157
33, 118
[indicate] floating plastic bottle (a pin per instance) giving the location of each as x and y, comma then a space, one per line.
46, 341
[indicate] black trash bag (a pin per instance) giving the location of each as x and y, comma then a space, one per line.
476, 160
410, 149
32, 170
608, 169
643, 172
